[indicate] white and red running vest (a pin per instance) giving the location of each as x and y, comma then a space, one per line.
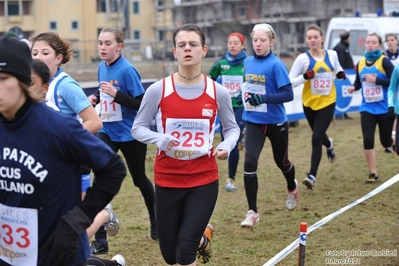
190, 163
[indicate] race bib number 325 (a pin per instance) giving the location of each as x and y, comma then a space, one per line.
193, 135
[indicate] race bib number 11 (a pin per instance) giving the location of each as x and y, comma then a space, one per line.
110, 110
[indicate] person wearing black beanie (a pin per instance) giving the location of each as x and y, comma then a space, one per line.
15, 68
15, 59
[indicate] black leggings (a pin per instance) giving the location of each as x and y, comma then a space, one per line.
369, 123
182, 215
135, 154
255, 136
319, 121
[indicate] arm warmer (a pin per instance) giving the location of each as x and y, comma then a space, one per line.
128, 101
105, 186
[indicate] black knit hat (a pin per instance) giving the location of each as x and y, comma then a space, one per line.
15, 59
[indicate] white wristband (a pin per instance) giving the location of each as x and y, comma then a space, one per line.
394, 132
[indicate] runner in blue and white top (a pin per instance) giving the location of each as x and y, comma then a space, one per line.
64, 91
40, 79
266, 88
373, 73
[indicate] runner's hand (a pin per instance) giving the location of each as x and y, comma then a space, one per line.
308, 74
341, 75
238, 99
254, 99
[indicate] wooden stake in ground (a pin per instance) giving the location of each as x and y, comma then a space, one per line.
303, 228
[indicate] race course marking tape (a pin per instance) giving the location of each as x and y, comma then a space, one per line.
291, 247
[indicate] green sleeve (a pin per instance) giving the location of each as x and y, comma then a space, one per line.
215, 71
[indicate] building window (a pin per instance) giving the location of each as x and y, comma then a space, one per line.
101, 6
136, 34
53, 25
136, 7
13, 9
160, 3
242, 12
114, 6
75, 25
161, 35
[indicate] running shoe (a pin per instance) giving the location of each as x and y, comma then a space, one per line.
309, 181
230, 185
98, 247
113, 224
390, 149
292, 198
251, 218
119, 259
330, 151
372, 179
205, 253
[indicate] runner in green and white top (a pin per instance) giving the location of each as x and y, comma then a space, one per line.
229, 71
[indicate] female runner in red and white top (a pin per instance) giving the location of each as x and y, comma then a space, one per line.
185, 105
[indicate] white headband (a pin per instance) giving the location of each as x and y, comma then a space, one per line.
265, 27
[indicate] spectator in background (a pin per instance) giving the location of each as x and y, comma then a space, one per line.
345, 60
10, 34
13, 35
392, 53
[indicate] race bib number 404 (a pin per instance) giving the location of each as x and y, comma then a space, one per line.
193, 136
18, 235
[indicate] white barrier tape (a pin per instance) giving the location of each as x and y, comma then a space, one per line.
291, 247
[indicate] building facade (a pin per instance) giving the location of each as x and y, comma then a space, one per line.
149, 24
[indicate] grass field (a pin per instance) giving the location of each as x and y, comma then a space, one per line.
371, 225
